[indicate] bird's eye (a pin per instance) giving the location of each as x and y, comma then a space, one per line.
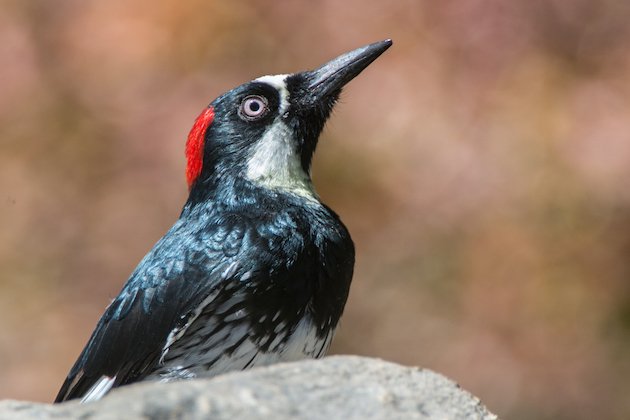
253, 107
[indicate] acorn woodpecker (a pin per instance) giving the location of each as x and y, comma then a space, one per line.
257, 269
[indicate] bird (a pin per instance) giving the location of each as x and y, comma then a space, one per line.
257, 269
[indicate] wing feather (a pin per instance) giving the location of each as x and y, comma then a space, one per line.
128, 341
252, 276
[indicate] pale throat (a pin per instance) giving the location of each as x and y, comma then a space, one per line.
275, 161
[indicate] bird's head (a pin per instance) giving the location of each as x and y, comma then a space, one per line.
265, 131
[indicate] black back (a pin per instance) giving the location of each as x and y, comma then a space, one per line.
284, 253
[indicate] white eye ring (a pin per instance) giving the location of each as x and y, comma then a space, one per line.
253, 107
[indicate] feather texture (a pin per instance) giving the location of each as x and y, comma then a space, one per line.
224, 289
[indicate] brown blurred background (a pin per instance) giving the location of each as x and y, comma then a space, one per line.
482, 166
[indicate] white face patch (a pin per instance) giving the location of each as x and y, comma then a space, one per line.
275, 161
278, 82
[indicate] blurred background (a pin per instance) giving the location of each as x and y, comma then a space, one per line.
482, 165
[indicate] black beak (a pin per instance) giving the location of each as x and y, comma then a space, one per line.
332, 76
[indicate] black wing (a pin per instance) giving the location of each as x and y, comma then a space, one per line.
170, 282
290, 263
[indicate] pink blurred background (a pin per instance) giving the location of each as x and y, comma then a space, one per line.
482, 166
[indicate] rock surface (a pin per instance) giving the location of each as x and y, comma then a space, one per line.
339, 387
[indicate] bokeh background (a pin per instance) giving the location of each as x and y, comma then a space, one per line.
482, 165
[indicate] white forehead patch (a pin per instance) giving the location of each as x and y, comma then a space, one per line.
279, 83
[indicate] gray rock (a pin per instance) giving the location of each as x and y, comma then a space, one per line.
339, 387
